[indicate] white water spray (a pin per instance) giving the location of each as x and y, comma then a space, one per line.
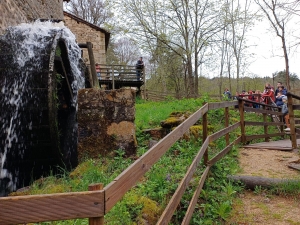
28, 40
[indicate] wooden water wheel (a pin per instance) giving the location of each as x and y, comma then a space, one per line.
38, 128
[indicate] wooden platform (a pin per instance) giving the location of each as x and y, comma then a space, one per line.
283, 145
122, 83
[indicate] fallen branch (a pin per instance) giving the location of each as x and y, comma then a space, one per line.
252, 181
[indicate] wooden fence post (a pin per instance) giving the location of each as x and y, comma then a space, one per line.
242, 120
144, 79
113, 78
227, 124
96, 220
292, 121
204, 135
265, 118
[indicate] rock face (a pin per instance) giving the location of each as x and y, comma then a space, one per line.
14, 12
106, 122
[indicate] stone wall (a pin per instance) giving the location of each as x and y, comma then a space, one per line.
106, 122
85, 33
14, 12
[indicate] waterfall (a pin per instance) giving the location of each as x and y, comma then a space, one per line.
25, 52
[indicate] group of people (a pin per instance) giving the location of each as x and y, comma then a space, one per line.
269, 96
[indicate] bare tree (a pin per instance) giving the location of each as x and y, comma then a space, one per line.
278, 20
94, 11
183, 26
240, 20
126, 51
291, 7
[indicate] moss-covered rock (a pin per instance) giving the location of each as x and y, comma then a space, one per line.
147, 211
156, 133
175, 119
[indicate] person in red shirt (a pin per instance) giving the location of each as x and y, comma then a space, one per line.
269, 95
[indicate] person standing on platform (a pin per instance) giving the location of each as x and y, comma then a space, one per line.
98, 71
227, 94
139, 67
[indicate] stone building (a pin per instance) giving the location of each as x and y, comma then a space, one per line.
87, 32
14, 12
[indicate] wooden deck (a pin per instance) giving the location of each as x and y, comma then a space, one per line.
283, 145
121, 83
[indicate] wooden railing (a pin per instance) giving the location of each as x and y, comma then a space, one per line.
293, 122
95, 204
120, 72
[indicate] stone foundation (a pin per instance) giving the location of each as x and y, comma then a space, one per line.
106, 122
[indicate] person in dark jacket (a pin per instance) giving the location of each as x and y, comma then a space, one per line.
278, 100
280, 87
139, 67
283, 90
227, 94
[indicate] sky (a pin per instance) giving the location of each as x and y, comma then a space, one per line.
268, 49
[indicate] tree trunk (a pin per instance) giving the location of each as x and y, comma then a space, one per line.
286, 58
190, 78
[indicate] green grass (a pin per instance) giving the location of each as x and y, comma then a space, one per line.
150, 196
290, 188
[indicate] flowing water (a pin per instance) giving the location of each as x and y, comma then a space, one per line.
25, 62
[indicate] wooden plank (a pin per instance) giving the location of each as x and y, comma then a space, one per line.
128, 178
292, 121
261, 104
295, 166
294, 96
226, 112
248, 109
223, 152
281, 144
250, 123
117, 65
50, 207
174, 201
204, 135
296, 107
219, 105
269, 147
222, 132
194, 200
265, 126
257, 136
242, 119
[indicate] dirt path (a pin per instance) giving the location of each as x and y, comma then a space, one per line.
259, 207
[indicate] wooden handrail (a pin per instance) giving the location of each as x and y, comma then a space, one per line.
293, 95
50, 207
258, 103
